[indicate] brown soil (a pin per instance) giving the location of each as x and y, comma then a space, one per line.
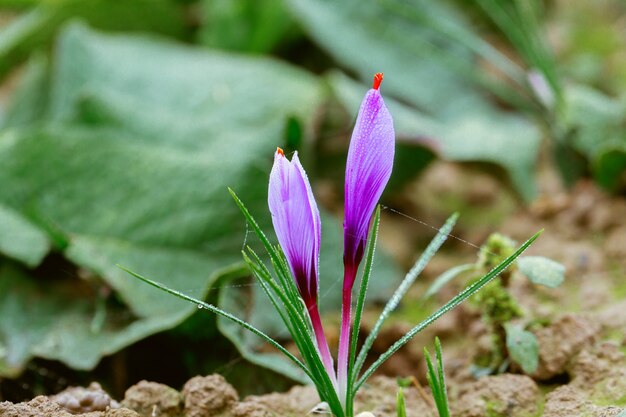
597, 387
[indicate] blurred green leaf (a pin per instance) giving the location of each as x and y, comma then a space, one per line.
20, 239
542, 271
143, 138
472, 131
37, 28
371, 37
609, 166
52, 319
597, 122
30, 100
245, 25
596, 118
523, 347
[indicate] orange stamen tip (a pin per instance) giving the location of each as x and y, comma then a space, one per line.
280, 152
378, 78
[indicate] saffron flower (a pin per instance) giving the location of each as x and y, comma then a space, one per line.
294, 282
297, 224
368, 168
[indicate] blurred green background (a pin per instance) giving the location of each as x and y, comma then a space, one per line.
123, 122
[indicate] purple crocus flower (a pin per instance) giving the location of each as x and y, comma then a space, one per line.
297, 225
368, 168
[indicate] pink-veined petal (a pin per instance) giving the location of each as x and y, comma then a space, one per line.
368, 168
296, 221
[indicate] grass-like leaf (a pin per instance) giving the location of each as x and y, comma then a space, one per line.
282, 270
290, 310
406, 283
437, 381
367, 271
400, 404
461, 35
288, 294
518, 21
466, 293
225, 314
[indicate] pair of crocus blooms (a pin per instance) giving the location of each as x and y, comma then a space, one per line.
296, 218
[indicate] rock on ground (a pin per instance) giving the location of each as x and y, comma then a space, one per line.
45, 407
208, 396
500, 395
153, 400
567, 401
83, 400
562, 341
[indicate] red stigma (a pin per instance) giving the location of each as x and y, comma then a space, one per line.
280, 151
378, 78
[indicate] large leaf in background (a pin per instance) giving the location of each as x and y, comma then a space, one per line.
54, 319
609, 166
598, 124
37, 28
29, 101
370, 37
20, 239
413, 43
133, 168
478, 133
245, 25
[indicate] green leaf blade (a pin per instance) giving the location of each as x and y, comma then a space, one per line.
466, 293
410, 277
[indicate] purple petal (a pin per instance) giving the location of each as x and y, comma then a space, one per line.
296, 222
368, 168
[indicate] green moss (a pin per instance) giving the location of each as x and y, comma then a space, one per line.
541, 402
494, 301
619, 285
604, 401
497, 409
492, 409
615, 335
602, 394
497, 305
497, 248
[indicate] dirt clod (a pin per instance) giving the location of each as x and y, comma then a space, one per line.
616, 242
597, 363
151, 399
119, 412
561, 341
46, 407
208, 395
501, 395
83, 400
567, 401
250, 409
37, 407
298, 401
379, 398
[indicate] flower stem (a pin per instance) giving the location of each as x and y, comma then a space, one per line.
322, 343
344, 336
